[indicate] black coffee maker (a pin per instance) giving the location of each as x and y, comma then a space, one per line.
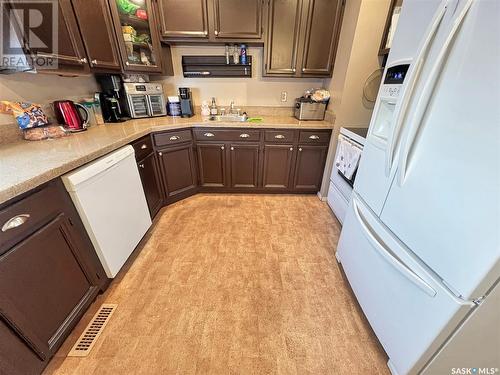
186, 102
112, 98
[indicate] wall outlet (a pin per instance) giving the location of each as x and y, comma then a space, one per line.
284, 96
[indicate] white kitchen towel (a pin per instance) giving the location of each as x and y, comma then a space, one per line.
347, 158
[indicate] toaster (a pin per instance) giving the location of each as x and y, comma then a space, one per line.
308, 109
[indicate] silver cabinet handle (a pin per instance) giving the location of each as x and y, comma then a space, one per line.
160, 153
174, 138
209, 134
127, 63
144, 146
300, 149
216, 32
141, 166
232, 148
294, 70
291, 148
313, 137
222, 147
15, 222
279, 136
205, 32
94, 62
303, 69
83, 60
244, 135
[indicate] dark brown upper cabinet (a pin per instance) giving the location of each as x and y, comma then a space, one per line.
180, 19
238, 19
137, 36
96, 27
321, 36
302, 37
282, 42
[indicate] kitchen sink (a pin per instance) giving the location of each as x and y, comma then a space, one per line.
229, 118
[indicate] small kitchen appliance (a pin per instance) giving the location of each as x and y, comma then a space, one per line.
73, 116
112, 98
145, 99
186, 102
308, 109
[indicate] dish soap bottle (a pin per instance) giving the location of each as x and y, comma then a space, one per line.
213, 108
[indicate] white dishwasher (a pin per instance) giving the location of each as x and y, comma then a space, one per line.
109, 197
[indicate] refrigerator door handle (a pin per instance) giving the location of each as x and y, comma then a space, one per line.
436, 21
427, 92
388, 255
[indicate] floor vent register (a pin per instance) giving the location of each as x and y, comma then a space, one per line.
88, 338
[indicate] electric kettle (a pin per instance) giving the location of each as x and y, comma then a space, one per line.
73, 116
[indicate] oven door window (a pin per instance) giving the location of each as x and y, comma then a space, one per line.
157, 105
138, 105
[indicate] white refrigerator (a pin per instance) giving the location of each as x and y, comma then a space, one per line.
420, 244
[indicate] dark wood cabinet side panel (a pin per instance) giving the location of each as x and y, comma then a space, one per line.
151, 184
183, 18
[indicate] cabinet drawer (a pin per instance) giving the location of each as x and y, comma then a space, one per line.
242, 135
314, 136
25, 216
142, 147
172, 138
280, 136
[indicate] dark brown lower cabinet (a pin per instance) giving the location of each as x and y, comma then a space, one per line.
49, 275
309, 168
151, 183
244, 159
212, 164
277, 170
178, 170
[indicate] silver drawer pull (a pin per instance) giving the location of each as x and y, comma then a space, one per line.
313, 137
174, 137
291, 148
141, 166
222, 147
244, 135
300, 149
232, 148
279, 136
15, 222
209, 134
144, 146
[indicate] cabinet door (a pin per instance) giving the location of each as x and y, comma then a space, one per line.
323, 22
43, 286
151, 183
238, 19
277, 166
309, 168
284, 19
178, 170
136, 35
244, 160
212, 164
96, 27
183, 18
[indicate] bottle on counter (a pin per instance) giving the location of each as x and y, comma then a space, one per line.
205, 108
227, 54
243, 54
236, 54
213, 108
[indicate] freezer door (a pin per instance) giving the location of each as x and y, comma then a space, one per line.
419, 22
444, 203
411, 312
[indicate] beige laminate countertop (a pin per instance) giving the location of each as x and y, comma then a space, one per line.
25, 165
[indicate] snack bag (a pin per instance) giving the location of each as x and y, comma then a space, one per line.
28, 115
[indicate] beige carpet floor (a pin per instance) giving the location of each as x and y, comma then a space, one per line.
232, 284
